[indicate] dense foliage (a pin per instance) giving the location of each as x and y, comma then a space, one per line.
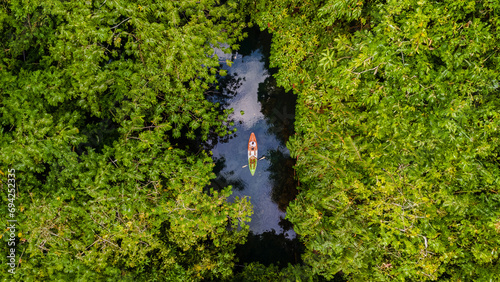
257, 272
397, 141
94, 95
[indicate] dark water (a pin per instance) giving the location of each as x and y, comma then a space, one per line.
268, 111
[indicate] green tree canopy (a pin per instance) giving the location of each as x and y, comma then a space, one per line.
93, 95
397, 134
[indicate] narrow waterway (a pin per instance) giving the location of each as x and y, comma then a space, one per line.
268, 111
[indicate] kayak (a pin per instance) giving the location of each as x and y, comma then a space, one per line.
252, 153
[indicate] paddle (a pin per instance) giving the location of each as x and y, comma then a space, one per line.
263, 157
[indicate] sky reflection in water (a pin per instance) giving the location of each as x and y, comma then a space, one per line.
268, 112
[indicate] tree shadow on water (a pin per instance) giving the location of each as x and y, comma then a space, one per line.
224, 179
278, 108
270, 247
256, 40
224, 90
282, 176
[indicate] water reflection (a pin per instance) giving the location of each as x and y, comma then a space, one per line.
225, 90
268, 111
257, 40
270, 247
284, 186
225, 177
278, 107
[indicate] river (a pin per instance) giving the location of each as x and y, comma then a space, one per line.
268, 111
